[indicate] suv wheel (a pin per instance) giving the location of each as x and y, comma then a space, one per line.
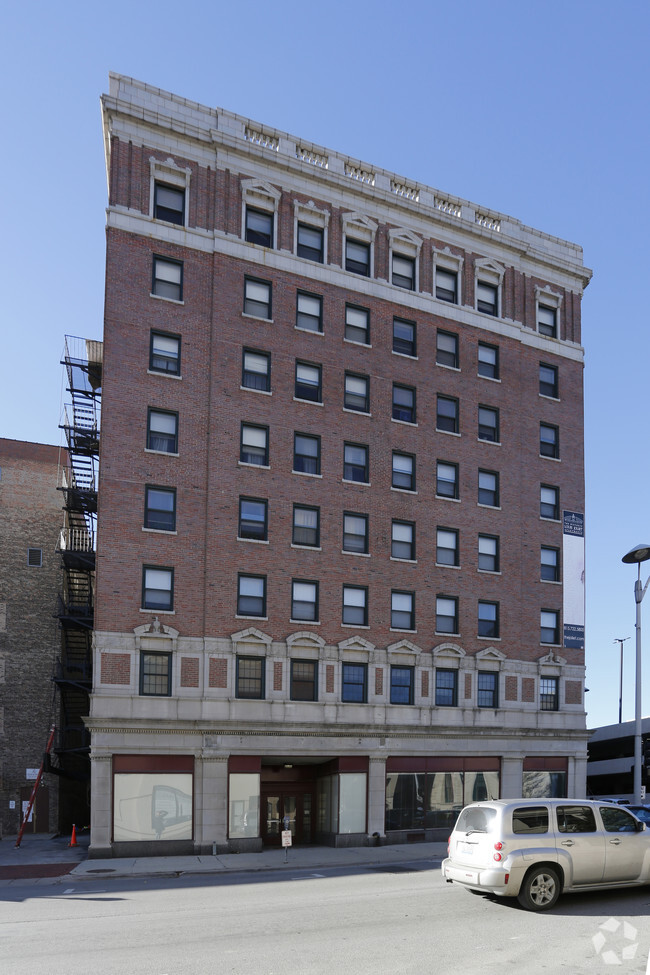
540, 889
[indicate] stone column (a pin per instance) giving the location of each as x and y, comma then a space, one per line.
212, 817
376, 796
511, 776
100, 813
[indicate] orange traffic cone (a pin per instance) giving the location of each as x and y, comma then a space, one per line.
73, 838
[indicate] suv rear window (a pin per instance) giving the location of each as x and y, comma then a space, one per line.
530, 819
476, 819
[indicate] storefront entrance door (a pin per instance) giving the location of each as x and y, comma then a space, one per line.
296, 806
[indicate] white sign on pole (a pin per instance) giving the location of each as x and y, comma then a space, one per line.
286, 837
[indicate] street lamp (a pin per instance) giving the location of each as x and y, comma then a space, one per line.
639, 554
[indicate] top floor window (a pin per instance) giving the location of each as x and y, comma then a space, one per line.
310, 242
547, 321
404, 271
169, 203
447, 285
357, 257
259, 227
487, 297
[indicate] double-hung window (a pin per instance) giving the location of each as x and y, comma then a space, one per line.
256, 370
547, 320
549, 440
304, 680
404, 337
357, 257
310, 242
169, 203
309, 312
309, 382
446, 688
167, 279
488, 553
447, 480
357, 324
447, 349
160, 508
251, 595
549, 626
446, 285
549, 693
257, 298
155, 674
446, 614
401, 684
404, 272
548, 383
355, 605
404, 403
550, 564
403, 540
304, 600
447, 414
403, 471
488, 689
357, 396
306, 526
402, 610
488, 424
355, 463
259, 227
549, 502
157, 588
306, 454
355, 532
254, 446
165, 353
253, 519
250, 678
487, 297
162, 431
488, 619
488, 360
447, 546
488, 488
354, 689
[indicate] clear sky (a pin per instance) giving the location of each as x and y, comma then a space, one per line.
536, 108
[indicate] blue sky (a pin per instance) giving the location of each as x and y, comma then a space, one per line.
536, 109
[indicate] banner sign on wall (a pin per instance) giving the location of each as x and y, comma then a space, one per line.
573, 559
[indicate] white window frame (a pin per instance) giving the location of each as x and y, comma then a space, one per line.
175, 176
261, 196
404, 243
312, 216
359, 227
489, 272
447, 261
550, 299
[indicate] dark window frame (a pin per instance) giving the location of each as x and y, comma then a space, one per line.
549, 693
546, 505
149, 676
351, 536
297, 681
295, 528
158, 284
444, 293
440, 481
354, 265
357, 328
485, 368
489, 432
254, 236
349, 468
301, 460
241, 610
397, 689
487, 695
307, 251
482, 305
253, 375
150, 510
355, 609
442, 548
242, 531
397, 474
240, 694
494, 493
315, 604
446, 687
550, 631
495, 559
166, 359
308, 317
167, 213
448, 357
254, 305
396, 614
441, 616
544, 328
398, 278
410, 557
145, 603
349, 405
403, 412
254, 426
549, 387
348, 695
549, 571
401, 344
488, 626
308, 392
549, 447
447, 422
172, 439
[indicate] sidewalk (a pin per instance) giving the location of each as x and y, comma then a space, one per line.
43, 855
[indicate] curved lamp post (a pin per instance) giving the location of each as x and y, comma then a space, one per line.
639, 554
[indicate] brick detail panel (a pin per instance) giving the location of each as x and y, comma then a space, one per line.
511, 688
468, 687
218, 674
189, 671
527, 690
573, 692
329, 679
425, 683
277, 675
115, 668
379, 680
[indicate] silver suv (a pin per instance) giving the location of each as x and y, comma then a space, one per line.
534, 849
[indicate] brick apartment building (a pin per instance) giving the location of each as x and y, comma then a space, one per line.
30, 580
340, 570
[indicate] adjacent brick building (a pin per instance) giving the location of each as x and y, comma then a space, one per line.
30, 580
340, 570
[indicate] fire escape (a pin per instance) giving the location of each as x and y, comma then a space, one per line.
83, 362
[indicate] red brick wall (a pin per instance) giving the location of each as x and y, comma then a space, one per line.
189, 671
218, 673
115, 668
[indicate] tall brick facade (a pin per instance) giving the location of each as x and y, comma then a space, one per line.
342, 417
30, 580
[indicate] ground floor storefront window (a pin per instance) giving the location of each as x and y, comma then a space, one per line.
244, 804
544, 778
430, 798
152, 798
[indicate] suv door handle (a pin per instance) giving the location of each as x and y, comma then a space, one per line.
615, 841
568, 842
